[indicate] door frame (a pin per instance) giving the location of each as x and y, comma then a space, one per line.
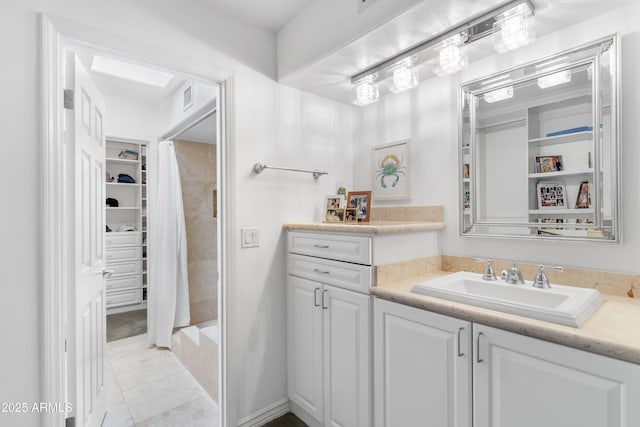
55, 36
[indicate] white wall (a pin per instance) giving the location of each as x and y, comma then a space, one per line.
428, 115
325, 26
131, 119
273, 124
172, 113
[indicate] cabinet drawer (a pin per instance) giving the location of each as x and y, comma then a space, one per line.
124, 254
133, 238
132, 282
125, 268
331, 246
124, 298
344, 275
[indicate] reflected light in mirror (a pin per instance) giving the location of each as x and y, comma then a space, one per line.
499, 94
554, 79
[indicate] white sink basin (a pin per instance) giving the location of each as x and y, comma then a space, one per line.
565, 305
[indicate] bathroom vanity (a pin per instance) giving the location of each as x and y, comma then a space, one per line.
330, 271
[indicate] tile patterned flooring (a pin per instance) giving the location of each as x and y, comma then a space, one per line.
149, 387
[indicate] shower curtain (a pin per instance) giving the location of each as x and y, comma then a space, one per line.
169, 283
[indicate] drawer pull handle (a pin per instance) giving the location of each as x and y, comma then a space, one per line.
324, 305
478, 359
317, 270
460, 354
315, 297
321, 246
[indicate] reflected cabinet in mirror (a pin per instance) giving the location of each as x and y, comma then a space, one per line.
539, 148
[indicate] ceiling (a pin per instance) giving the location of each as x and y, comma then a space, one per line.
330, 76
268, 14
203, 131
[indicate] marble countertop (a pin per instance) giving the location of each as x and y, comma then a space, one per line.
613, 330
373, 227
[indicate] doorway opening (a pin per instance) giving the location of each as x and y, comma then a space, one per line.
130, 126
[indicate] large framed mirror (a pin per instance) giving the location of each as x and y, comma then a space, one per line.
539, 148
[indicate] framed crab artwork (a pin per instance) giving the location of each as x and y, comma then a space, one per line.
391, 171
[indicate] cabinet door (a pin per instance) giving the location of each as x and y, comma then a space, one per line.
422, 368
347, 355
304, 345
526, 382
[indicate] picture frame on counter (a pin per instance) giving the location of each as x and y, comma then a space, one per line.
361, 202
333, 216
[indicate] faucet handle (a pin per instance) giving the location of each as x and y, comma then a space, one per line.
542, 281
489, 274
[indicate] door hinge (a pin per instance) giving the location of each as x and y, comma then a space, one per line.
70, 422
68, 99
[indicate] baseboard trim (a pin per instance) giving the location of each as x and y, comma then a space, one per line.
306, 418
267, 414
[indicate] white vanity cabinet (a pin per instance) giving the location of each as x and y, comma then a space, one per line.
422, 368
526, 382
328, 330
424, 371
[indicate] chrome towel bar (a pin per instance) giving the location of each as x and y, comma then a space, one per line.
259, 167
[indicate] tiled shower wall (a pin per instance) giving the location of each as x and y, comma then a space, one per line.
197, 163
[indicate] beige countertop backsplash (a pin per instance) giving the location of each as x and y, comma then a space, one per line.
613, 330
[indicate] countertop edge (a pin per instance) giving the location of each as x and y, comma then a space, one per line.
529, 327
379, 227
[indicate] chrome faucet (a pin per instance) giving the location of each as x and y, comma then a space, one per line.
541, 280
489, 274
512, 276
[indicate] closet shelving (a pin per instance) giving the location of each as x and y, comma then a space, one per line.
126, 243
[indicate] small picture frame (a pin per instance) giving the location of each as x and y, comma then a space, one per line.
551, 195
333, 216
351, 215
361, 202
584, 196
334, 202
467, 170
546, 164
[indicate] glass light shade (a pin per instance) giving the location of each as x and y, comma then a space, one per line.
453, 56
365, 92
403, 76
514, 28
554, 79
499, 94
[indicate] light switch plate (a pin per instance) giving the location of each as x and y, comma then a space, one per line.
250, 237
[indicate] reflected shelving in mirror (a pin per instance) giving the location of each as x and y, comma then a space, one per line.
539, 148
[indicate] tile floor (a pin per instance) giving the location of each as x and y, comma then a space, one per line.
127, 324
149, 387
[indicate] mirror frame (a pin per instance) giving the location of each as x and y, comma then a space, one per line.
467, 101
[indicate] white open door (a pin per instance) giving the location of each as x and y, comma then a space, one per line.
86, 289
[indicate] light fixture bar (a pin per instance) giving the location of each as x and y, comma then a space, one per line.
478, 26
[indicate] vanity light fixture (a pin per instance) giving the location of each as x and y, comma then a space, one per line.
366, 91
403, 75
554, 79
453, 55
514, 28
511, 24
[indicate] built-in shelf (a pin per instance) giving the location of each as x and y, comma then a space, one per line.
561, 139
560, 174
122, 208
466, 179
560, 211
117, 161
